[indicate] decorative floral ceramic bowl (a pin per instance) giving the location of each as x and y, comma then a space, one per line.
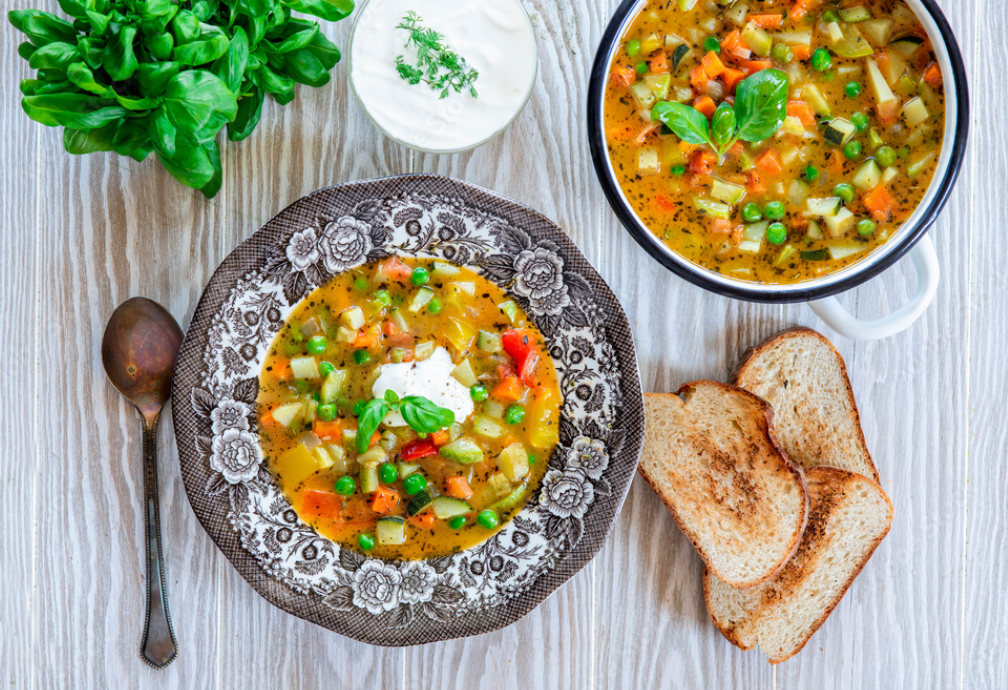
409, 602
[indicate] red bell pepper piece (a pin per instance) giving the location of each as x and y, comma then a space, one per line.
421, 448
519, 346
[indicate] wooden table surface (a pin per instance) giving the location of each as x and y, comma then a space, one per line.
82, 234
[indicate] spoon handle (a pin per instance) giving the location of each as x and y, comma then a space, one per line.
159, 647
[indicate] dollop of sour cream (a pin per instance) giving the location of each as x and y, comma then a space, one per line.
495, 37
430, 378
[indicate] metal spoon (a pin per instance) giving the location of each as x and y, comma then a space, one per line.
139, 348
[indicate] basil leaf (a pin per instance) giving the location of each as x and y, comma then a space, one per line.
190, 165
82, 76
391, 397
74, 8
42, 27
249, 112
231, 66
761, 105
210, 44
55, 55
331, 10
199, 104
91, 50
131, 139
156, 8
77, 111
325, 50
202, 10
99, 22
210, 189
162, 133
282, 88
254, 8
118, 58
295, 41
424, 416
79, 142
688, 123
723, 125
185, 26
161, 46
26, 50
304, 68
136, 104
370, 417
154, 77
257, 31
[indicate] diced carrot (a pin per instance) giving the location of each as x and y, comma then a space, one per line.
731, 78
802, 111
659, 64
384, 500
368, 337
882, 60
933, 75
803, 7
439, 438
754, 66
702, 162
425, 519
801, 53
712, 65
698, 79
721, 226
327, 431
766, 21
880, 203
664, 204
320, 504
281, 369
736, 149
836, 162
754, 184
770, 163
705, 106
396, 269
622, 132
646, 131
267, 420
375, 437
888, 112
457, 486
509, 389
732, 46
390, 328
623, 75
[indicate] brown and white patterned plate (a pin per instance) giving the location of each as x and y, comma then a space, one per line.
410, 602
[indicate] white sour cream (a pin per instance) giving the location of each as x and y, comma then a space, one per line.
495, 37
430, 378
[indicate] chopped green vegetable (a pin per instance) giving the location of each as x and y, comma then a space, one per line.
487, 519
415, 483
345, 486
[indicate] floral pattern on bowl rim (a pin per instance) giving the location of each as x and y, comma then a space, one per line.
408, 602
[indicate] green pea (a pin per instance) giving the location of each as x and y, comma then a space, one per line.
326, 368
633, 47
782, 53
388, 473
885, 156
361, 356
434, 306
821, 60
316, 344
642, 68
860, 121
515, 414
852, 150
752, 213
366, 541
853, 89
487, 518
712, 44
811, 173
420, 276
777, 233
326, 413
531, 459
382, 298
774, 210
678, 170
830, 16
903, 152
457, 522
844, 191
361, 284
829, 76
865, 228
414, 484
345, 486
478, 392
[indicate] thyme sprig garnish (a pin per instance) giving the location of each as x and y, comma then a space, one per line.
437, 65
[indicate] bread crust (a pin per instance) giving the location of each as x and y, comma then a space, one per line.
796, 470
803, 332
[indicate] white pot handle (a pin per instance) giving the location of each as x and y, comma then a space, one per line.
925, 260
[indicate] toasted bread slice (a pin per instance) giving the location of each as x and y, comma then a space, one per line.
804, 379
849, 517
711, 457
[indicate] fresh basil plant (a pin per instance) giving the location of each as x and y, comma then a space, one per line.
165, 76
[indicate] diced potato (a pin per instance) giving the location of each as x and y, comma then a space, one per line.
463, 373
868, 177
836, 34
813, 96
878, 31
841, 223
727, 192
883, 94
513, 462
305, 368
285, 415
647, 161
895, 69
466, 287
352, 318
499, 484
445, 270
424, 350
345, 335
915, 112
794, 38
651, 43
842, 251
758, 40
889, 174
750, 246
736, 14
487, 427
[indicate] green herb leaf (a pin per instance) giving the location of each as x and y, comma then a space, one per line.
210, 189
437, 66
132, 139
210, 44
161, 46
231, 66
249, 112
723, 125
76, 111
42, 27
26, 50
391, 397
370, 417
199, 104
91, 50
118, 58
82, 76
55, 55
79, 142
688, 123
330, 10
191, 164
185, 26
424, 416
154, 77
761, 105
99, 22
304, 68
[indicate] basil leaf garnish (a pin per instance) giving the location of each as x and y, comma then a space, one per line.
761, 105
687, 122
370, 417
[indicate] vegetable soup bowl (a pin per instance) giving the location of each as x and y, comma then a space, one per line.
220, 377
909, 239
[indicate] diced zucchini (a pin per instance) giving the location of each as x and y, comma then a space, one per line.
445, 270
463, 373
510, 310
878, 30
285, 415
338, 456
736, 14
905, 87
792, 125
813, 96
464, 287
839, 131
368, 479
494, 409
868, 176
798, 192
296, 465
647, 161
397, 318
841, 223
305, 368
464, 451
513, 462
679, 54
446, 507
883, 94
309, 410
794, 38
322, 457
500, 484
686, 5
352, 318
889, 174
390, 531
919, 166
755, 232
927, 94
757, 40
424, 350
854, 45
816, 255
858, 13
643, 95
836, 34
460, 334
419, 503
825, 208
785, 254
511, 500
659, 85
713, 208
671, 41
746, 163
875, 140
487, 427
895, 68
814, 231
915, 112
332, 386
349, 436
907, 46
345, 335
842, 251
407, 468
727, 192
488, 342
420, 299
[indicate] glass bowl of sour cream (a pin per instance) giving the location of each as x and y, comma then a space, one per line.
494, 38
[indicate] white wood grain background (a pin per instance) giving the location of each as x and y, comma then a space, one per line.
82, 234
